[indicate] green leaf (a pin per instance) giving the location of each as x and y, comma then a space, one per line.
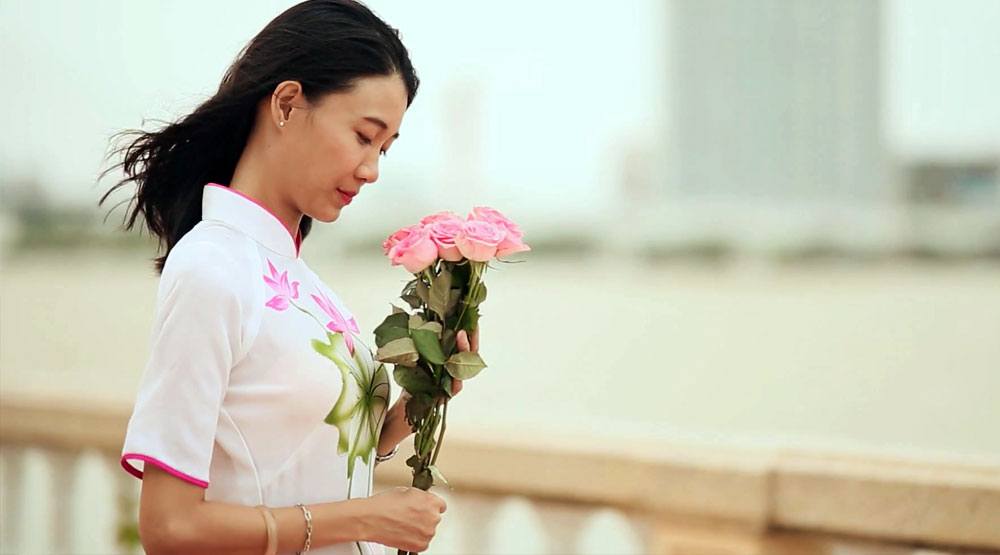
388, 330
409, 287
448, 340
390, 335
414, 379
422, 291
427, 344
464, 365
470, 320
413, 300
417, 408
399, 351
440, 292
454, 295
438, 477
432, 326
415, 321
478, 296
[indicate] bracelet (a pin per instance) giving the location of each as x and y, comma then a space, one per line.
309, 528
383, 458
272, 531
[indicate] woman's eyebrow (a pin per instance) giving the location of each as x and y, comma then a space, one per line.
381, 124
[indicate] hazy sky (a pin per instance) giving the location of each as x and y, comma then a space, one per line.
544, 96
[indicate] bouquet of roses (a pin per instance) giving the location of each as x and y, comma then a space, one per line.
448, 257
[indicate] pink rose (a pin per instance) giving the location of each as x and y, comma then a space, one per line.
440, 216
478, 240
415, 251
513, 239
395, 238
443, 233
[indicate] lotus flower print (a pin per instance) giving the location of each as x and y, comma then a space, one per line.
282, 289
337, 321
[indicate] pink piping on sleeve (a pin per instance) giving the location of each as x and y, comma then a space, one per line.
146, 458
297, 239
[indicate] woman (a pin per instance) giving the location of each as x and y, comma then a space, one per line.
228, 432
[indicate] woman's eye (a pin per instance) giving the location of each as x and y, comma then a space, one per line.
366, 141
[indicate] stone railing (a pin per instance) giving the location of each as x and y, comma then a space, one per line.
534, 494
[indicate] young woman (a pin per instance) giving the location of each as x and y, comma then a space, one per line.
228, 432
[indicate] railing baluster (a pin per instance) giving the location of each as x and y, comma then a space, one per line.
36, 535
607, 531
516, 529
126, 493
478, 513
62, 488
12, 498
448, 539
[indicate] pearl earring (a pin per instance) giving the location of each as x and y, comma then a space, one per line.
281, 124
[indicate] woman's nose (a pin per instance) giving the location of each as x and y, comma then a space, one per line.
368, 171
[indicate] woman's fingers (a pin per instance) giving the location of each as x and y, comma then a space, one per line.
462, 339
464, 343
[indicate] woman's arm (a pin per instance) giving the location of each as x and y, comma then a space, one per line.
174, 518
395, 428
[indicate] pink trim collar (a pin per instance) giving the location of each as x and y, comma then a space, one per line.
264, 232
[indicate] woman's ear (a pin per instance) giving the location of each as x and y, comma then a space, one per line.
285, 98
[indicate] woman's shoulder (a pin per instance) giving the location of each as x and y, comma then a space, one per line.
214, 256
214, 245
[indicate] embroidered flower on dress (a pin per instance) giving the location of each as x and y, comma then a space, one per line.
284, 291
337, 321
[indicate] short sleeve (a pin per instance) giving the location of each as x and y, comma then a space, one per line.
197, 336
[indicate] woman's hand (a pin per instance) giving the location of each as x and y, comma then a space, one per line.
464, 344
404, 518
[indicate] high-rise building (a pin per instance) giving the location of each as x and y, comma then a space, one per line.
776, 100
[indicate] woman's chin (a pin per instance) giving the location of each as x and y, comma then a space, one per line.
329, 215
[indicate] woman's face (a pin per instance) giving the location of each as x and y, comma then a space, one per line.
333, 147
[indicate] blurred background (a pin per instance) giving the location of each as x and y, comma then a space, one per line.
761, 313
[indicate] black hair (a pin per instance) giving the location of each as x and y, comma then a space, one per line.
325, 45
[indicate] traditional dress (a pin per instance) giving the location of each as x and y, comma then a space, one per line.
257, 386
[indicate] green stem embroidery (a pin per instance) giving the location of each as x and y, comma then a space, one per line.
311, 315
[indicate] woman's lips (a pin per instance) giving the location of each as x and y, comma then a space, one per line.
345, 196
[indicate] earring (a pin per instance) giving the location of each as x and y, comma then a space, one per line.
281, 124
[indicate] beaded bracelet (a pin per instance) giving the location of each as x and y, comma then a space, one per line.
309, 528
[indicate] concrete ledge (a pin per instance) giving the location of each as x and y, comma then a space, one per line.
906, 501
751, 492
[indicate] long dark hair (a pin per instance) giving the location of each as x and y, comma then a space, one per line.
326, 45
